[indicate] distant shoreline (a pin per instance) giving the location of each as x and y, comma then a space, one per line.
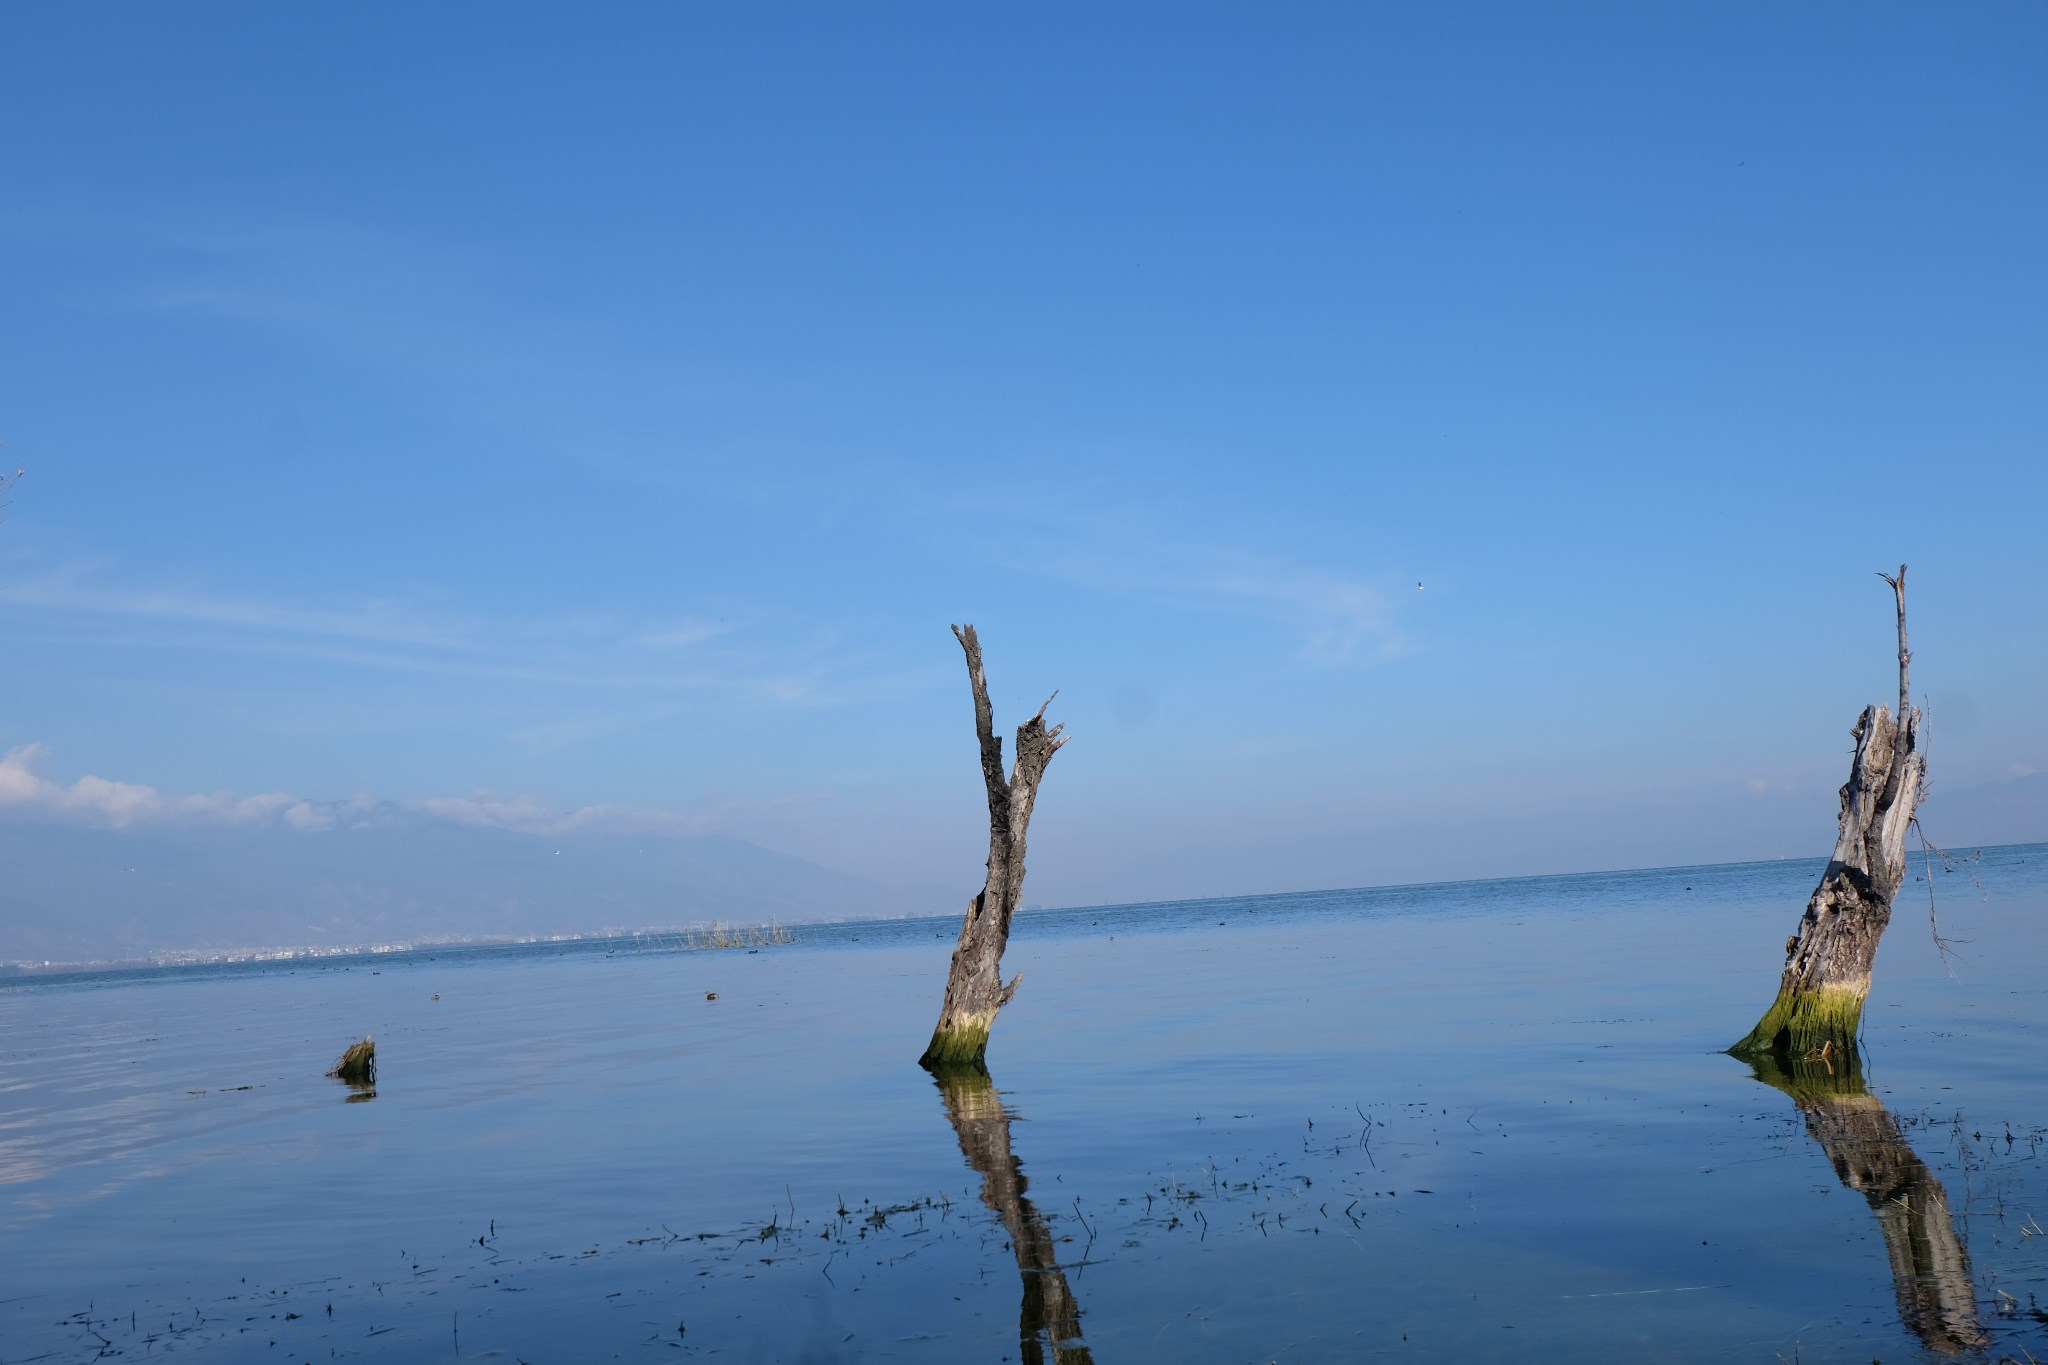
676, 936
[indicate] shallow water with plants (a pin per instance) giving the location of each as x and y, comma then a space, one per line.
1485, 1121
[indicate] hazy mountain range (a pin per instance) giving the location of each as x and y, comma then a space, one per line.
79, 893
338, 876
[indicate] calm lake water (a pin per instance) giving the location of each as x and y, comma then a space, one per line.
1474, 1122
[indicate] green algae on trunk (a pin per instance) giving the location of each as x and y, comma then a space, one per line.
1808, 1022
959, 1044
1827, 963
974, 985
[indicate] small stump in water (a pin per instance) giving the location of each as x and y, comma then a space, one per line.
358, 1065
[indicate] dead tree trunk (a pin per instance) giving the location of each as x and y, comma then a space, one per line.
974, 985
1827, 963
1931, 1281
1049, 1320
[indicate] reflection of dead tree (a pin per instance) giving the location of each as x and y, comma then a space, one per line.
1930, 1268
974, 982
1827, 963
1049, 1322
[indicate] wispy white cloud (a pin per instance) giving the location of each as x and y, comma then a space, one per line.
307, 818
332, 282
106, 802
594, 651
1102, 539
1337, 615
681, 635
531, 815
73, 590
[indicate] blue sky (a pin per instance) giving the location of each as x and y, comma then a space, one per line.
610, 409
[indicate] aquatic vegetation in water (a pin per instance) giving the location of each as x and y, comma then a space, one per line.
720, 935
1317, 1204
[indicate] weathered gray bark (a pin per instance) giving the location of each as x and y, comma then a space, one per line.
1048, 1321
1930, 1266
974, 984
1827, 963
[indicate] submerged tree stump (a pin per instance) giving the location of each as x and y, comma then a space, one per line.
358, 1065
1049, 1319
974, 982
1931, 1282
1827, 963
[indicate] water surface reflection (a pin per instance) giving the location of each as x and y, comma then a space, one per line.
1930, 1267
1049, 1321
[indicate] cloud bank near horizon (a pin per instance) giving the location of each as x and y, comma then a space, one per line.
112, 804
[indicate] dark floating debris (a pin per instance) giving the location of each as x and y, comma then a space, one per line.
358, 1065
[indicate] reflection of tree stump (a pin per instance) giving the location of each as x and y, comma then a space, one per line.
1049, 1322
1930, 1268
